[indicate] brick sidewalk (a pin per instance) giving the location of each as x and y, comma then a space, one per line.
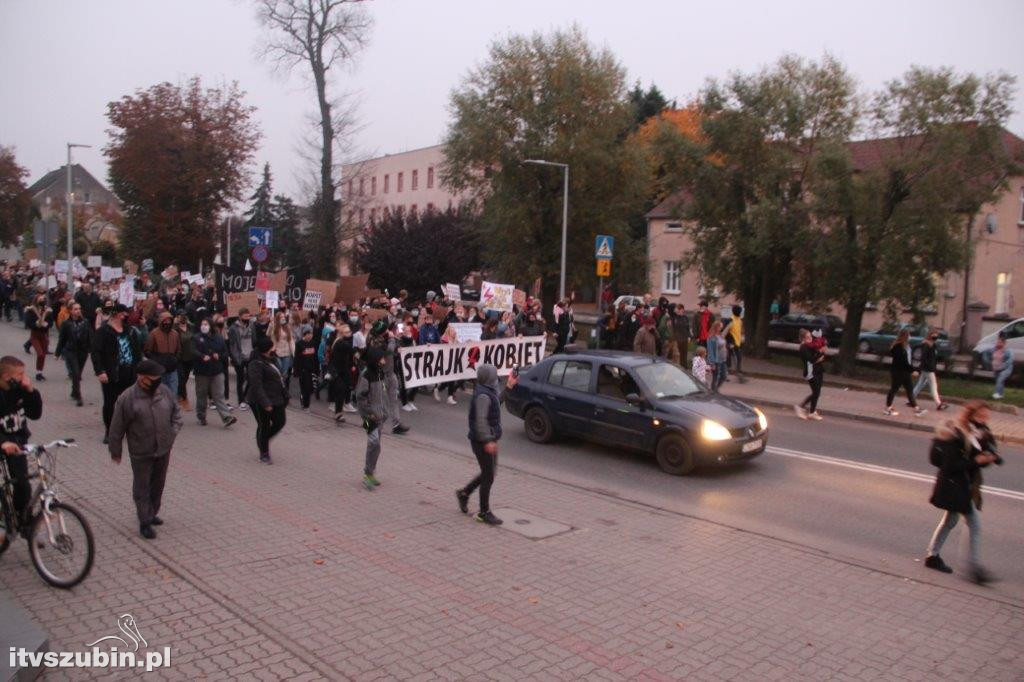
863, 405
294, 571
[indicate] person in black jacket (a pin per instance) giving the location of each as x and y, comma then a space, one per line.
961, 449
928, 369
812, 357
266, 395
306, 364
74, 342
90, 302
19, 402
116, 350
341, 369
900, 374
208, 365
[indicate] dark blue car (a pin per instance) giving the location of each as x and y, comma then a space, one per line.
637, 402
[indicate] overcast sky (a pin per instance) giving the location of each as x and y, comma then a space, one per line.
62, 61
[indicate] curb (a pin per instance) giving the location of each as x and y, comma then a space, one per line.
993, 405
870, 419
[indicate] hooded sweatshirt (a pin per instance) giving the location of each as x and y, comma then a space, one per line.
485, 409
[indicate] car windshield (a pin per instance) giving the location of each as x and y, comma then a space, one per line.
665, 380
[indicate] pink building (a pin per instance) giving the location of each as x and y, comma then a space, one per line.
408, 182
996, 281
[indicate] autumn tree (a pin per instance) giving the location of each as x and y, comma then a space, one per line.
15, 202
179, 155
419, 251
554, 97
897, 210
323, 36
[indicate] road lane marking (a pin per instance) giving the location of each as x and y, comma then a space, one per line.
887, 471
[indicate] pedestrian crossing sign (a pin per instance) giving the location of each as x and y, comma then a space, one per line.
603, 247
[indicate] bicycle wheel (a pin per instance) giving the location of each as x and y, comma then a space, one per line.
61, 545
6, 521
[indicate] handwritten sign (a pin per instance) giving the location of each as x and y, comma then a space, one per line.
271, 300
312, 300
242, 299
466, 331
328, 290
262, 281
452, 292
495, 296
519, 298
126, 292
95, 261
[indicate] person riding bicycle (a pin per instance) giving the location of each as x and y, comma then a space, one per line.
19, 402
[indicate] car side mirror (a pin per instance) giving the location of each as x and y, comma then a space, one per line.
634, 399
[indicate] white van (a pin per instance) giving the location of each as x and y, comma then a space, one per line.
1014, 333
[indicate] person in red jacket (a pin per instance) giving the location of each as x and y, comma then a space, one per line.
704, 319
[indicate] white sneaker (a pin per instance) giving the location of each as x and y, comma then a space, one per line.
349, 407
244, 407
815, 416
920, 412
414, 408
800, 412
891, 412
997, 396
451, 400
408, 407
437, 395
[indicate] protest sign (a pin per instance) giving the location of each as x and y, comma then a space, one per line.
170, 272
242, 299
262, 281
423, 365
466, 331
452, 292
62, 277
60, 266
519, 298
131, 267
270, 300
328, 290
495, 296
141, 296
352, 288
95, 261
31, 255
291, 284
147, 265
197, 279
374, 314
312, 300
105, 273
34, 263
51, 282
126, 292
535, 291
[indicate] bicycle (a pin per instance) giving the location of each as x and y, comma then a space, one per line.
59, 539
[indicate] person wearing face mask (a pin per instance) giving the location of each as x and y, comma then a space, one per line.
116, 350
103, 314
19, 402
240, 340
372, 401
305, 364
340, 368
89, 300
266, 395
38, 320
148, 415
74, 343
164, 346
210, 351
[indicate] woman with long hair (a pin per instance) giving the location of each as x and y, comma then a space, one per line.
812, 356
284, 345
38, 320
718, 357
901, 374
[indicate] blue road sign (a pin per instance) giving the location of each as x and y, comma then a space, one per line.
260, 236
604, 245
260, 254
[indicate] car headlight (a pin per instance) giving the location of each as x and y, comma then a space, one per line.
762, 420
712, 430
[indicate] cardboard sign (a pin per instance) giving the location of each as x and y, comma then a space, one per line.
31, 255
374, 314
170, 272
328, 290
60, 267
241, 299
95, 261
467, 331
126, 292
452, 292
312, 300
423, 365
519, 298
495, 296
271, 300
352, 288
291, 284
262, 281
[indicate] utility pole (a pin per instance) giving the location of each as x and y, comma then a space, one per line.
71, 204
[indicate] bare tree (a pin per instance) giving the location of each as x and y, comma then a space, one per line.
322, 34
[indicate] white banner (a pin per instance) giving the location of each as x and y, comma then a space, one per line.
95, 261
467, 331
497, 296
435, 363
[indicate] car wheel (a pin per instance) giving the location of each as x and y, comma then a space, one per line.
538, 425
864, 347
674, 455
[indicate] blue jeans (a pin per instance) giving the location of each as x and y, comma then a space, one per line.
721, 372
928, 379
170, 380
1001, 378
947, 524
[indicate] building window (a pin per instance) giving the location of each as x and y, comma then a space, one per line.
415, 179
673, 276
430, 180
361, 187
350, 189
373, 186
401, 177
1003, 293
88, 197
673, 227
387, 183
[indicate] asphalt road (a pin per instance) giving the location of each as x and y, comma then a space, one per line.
847, 489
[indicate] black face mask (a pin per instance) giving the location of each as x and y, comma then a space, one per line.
166, 326
151, 386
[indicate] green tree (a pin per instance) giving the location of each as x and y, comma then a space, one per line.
15, 202
259, 214
419, 251
896, 211
750, 177
289, 245
558, 98
646, 103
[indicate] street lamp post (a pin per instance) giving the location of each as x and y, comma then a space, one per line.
565, 216
71, 206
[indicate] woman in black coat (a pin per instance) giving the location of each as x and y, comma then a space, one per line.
341, 366
901, 374
266, 395
961, 449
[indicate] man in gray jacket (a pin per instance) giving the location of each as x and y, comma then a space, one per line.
484, 434
149, 415
373, 404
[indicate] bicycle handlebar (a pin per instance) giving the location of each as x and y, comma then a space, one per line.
59, 443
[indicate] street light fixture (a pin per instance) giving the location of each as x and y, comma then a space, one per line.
71, 220
565, 215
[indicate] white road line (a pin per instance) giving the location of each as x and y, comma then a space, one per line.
887, 471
